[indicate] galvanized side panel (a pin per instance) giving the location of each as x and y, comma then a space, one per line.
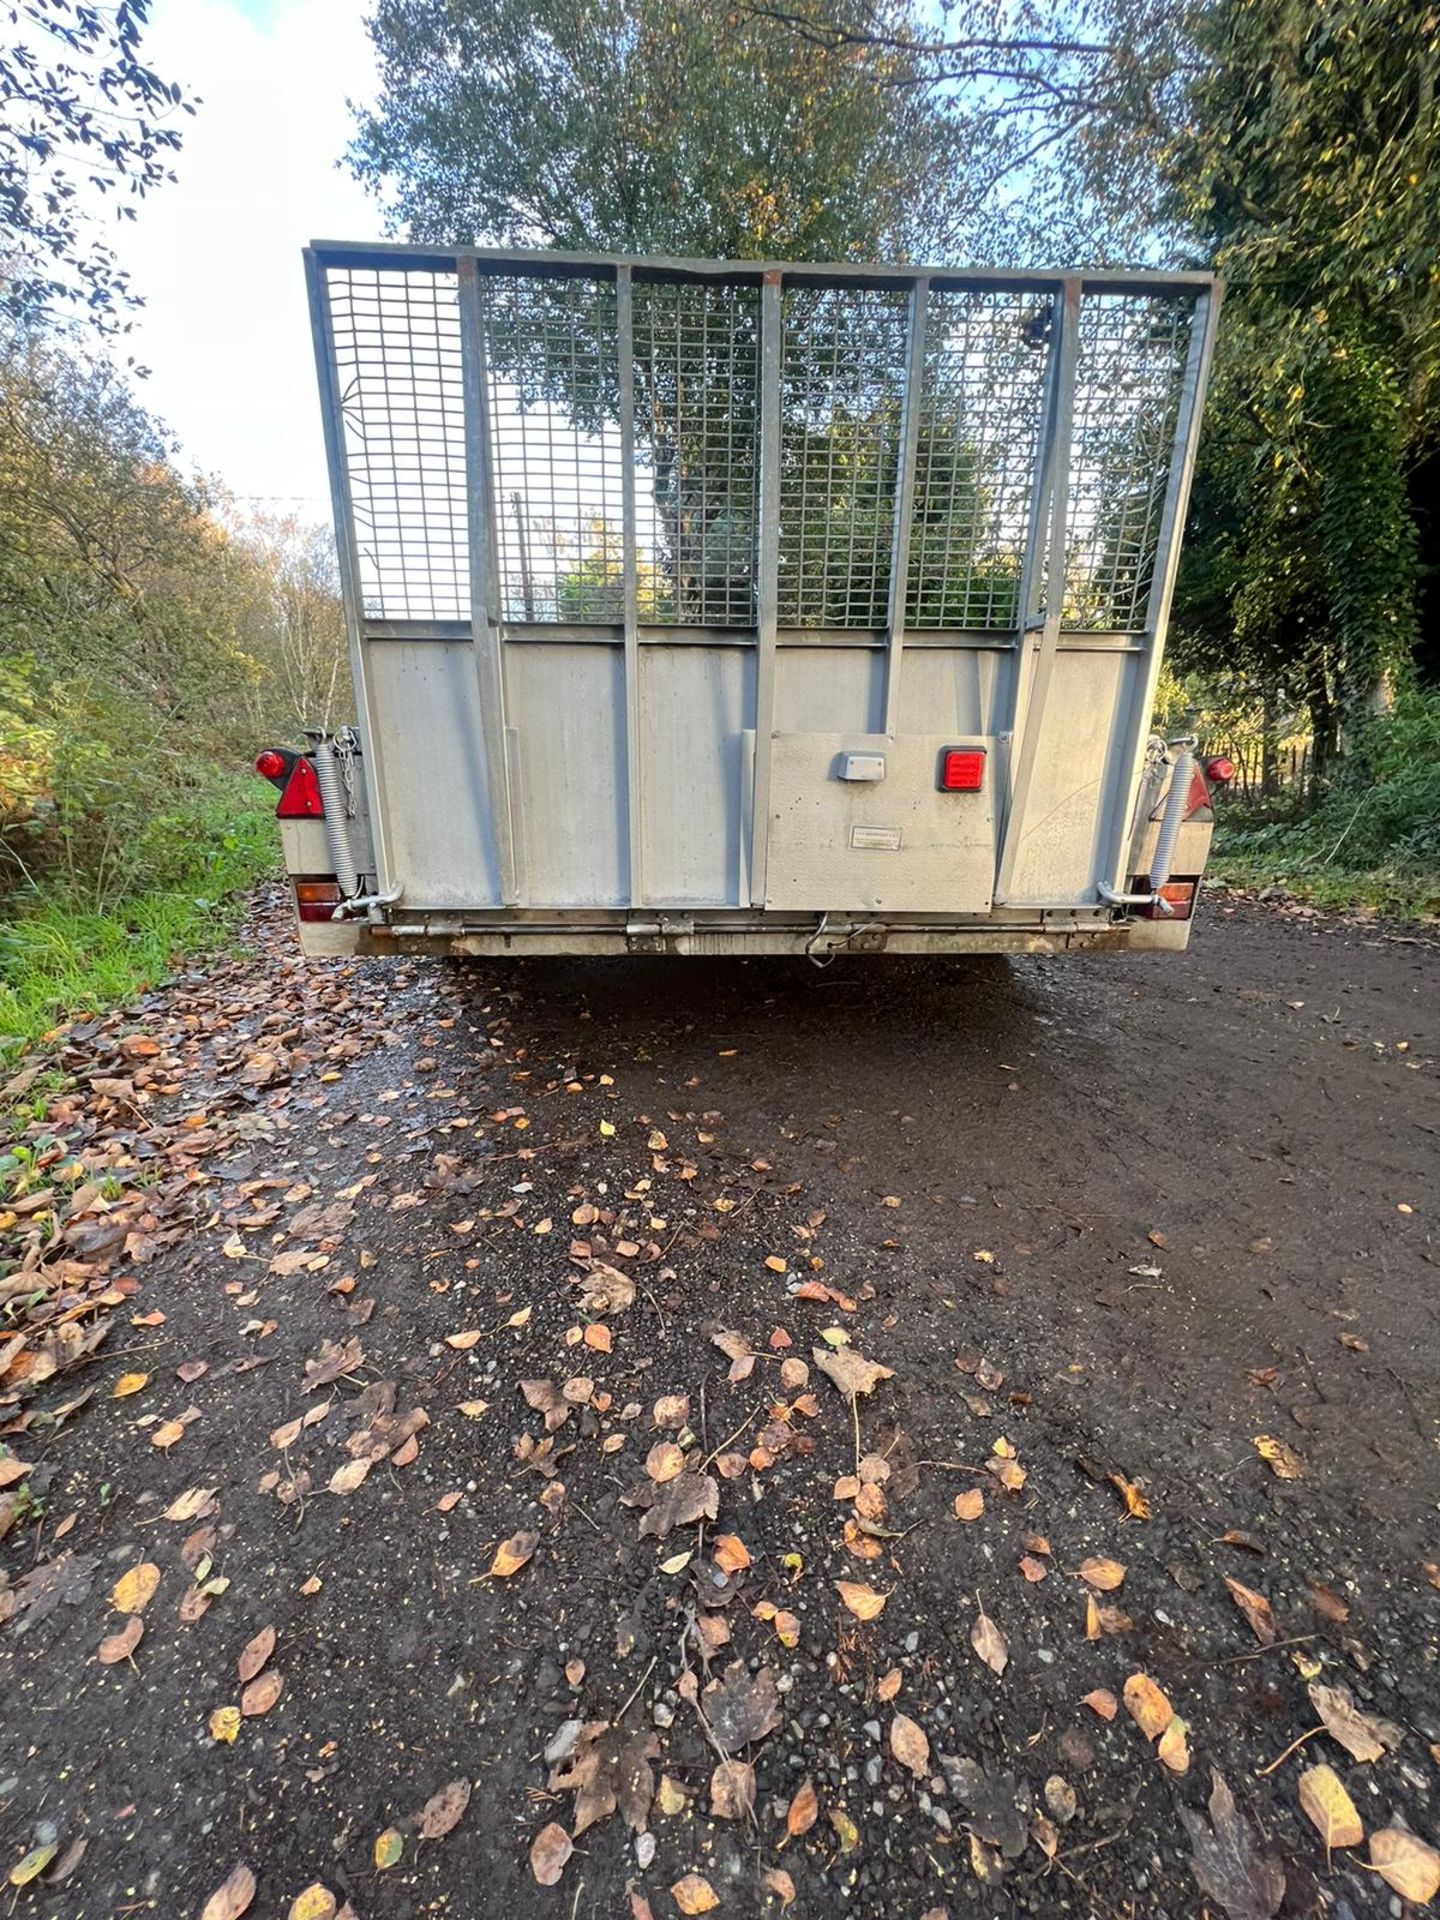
829, 690
567, 706
696, 705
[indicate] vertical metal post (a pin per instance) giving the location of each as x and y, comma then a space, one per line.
1032, 698
767, 581
905, 499
1162, 582
630, 561
485, 636
342, 507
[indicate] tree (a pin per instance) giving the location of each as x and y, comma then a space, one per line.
84, 118
688, 127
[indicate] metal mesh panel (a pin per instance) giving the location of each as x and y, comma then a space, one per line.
981, 407
1129, 378
553, 367
842, 380
696, 353
397, 355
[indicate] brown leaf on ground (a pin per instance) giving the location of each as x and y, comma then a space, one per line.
989, 1642
909, 1745
1256, 1609
1103, 1575
680, 1502
694, 1894
609, 1769
348, 1478
732, 1790
1284, 1462
116, 1647
1406, 1864
730, 1553
1228, 1862
256, 1652
1172, 1747
1149, 1705
545, 1397
777, 1881
1327, 1603
664, 1462
261, 1695
1100, 1700
850, 1372
889, 1686
134, 1590
1364, 1736
741, 1707
672, 1412
970, 1504
549, 1851
1034, 1570
232, 1897
512, 1554
1136, 1504
605, 1289
803, 1811
738, 1351
1329, 1808
333, 1360
864, 1602
442, 1812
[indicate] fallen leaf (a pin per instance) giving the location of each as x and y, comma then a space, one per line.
225, 1725
970, 1504
889, 1686
1364, 1736
909, 1745
512, 1554
1100, 1700
232, 1898
261, 1695
670, 1796
1148, 1705
1327, 1603
1256, 1609
255, 1653
732, 1790
129, 1383
1283, 1460
679, 1502
549, 1851
315, 1903
1034, 1570
1227, 1861
849, 1371
32, 1866
389, 1846
441, 1813
1329, 1808
846, 1830
134, 1590
1103, 1575
1136, 1505
116, 1647
864, 1602
348, 1478
730, 1553
1406, 1864
742, 1707
803, 1811
988, 1641
196, 1503
777, 1881
1172, 1748
664, 1462
692, 1894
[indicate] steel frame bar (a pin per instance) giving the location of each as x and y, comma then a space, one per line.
343, 507
485, 635
1032, 689
905, 500
630, 562
767, 580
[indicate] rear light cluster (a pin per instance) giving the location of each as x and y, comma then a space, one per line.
316, 899
962, 769
294, 775
1178, 895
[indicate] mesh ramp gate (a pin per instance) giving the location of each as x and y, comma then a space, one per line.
689, 482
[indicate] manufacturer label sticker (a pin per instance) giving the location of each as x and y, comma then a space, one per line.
876, 839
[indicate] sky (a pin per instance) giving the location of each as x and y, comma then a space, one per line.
225, 330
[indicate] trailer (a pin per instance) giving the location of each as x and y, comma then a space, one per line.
734, 607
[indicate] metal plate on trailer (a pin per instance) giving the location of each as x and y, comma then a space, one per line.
896, 845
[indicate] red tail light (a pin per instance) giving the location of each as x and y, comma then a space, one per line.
316, 899
962, 769
1220, 771
1179, 896
272, 764
301, 798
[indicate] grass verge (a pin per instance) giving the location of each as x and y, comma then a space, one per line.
62, 957
1401, 891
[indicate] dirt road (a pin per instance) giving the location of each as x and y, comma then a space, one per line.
415, 1262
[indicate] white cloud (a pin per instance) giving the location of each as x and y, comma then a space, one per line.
225, 330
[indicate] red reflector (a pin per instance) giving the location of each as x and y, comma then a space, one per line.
962, 769
1221, 770
301, 798
1179, 896
316, 899
270, 764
